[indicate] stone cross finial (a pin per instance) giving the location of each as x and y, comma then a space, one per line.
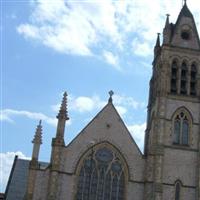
111, 93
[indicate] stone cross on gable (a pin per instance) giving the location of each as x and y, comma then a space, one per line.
111, 94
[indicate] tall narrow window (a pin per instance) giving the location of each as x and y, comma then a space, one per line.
185, 127
181, 129
174, 70
101, 177
184, 78
177, 190
177, 126
193, 80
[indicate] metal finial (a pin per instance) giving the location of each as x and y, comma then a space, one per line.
111, 93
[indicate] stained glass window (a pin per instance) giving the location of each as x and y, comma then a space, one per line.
101, 177
181, 129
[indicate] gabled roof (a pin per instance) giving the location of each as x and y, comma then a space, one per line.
109, 109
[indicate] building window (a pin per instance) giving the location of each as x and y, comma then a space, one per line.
181, 129
174, 70
101, 176
184, 72
193, 80
177, 190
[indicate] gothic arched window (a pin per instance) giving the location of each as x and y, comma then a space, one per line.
101, 176
184, 72
193, 75
177, 190
181, 129
174, 70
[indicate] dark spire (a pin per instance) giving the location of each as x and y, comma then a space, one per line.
167, 31
157, 46
158, 40
63, 114
167, 21
111, 93
38, 134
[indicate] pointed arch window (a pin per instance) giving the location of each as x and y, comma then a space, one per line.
193, 79
181, 129
101, 177
184, 72
174, 71
177, 190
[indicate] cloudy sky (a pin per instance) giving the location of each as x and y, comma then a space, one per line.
83, 47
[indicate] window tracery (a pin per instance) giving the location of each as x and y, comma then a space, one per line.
181, 129
101, 176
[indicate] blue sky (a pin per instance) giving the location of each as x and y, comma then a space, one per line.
83, 47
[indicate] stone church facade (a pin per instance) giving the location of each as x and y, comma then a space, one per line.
104, 163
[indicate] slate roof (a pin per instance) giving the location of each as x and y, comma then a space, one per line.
186, 12
16, 186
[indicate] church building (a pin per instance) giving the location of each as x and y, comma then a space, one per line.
103, 162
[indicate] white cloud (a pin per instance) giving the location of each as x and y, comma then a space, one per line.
79, 27
127, 101
6, 162
87, 104
30, 30
141, 48
121, 110
138, 132
84, 104
8, 114
111, 59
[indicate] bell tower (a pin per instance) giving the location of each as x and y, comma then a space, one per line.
172, 140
